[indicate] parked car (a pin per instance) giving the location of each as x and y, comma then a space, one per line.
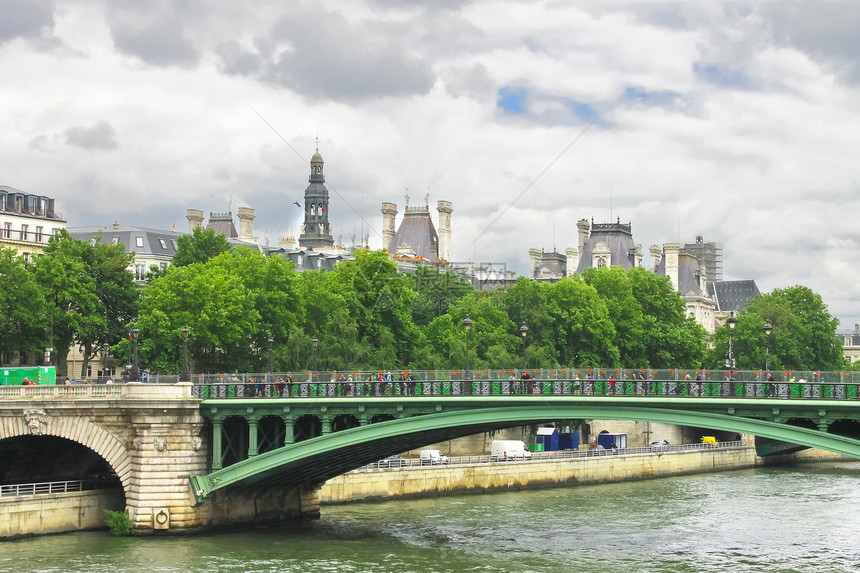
660, 446
394, 461
433, 457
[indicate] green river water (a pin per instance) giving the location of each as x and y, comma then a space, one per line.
804, 518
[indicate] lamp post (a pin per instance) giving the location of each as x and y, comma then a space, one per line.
105, 349
524, 330
768, 328
467, 326
731, 321
269, 374
185, 375
314, 371
134, 376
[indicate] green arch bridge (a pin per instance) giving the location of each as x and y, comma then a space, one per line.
268, 436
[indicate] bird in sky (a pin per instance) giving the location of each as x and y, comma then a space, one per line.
296, 203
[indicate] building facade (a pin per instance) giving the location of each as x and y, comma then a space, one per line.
27, 221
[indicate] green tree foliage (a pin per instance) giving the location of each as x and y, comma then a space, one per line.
614, 286
525, 303
198, 247
581, 329
90, 292
436, 292
215, 305
803, 337
23, 322
669, 336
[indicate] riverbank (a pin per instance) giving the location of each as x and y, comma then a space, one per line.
412, 482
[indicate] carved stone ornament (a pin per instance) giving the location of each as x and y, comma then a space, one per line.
137, 443
196, 443
160, 443
37, 421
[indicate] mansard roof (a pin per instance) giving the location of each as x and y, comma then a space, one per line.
617, 237
733, 295
141, 241
417, 230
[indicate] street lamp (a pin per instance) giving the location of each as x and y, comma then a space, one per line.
135, 371
524, 330
768, 328
185, 375
314, 371
105, 349
467, 326
269, 375
731, 321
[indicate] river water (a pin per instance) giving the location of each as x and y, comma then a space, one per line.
804, 518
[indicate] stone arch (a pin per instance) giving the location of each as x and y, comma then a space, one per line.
344, 422
113, 448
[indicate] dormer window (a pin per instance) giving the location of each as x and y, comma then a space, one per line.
138, 241
163, 244
114, 241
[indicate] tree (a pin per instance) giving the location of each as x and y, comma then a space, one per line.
581, 328
213, 303
803, 337
198, 247
436, 292
670, 338
614, 286
90, 291
23, 323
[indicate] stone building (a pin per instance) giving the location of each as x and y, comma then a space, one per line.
27, 221
850, 340
416, 237
600, 245
316, 231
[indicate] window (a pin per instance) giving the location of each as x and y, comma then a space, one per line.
138, 241
139, 271
25, 232
114, 241
3, 202
38, 234
7, 231
173, 242
163, 244
26, 257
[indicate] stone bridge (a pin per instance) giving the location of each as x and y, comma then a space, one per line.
187, 463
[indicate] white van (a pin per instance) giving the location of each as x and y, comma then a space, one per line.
502, 450
433, 457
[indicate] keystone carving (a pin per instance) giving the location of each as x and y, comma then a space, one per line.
160, 443
37, 421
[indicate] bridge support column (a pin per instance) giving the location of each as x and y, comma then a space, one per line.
253, 430
326, 425
289, 433
217, 455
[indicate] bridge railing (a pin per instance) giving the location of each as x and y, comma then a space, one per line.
44, 488
259, 388
549, 456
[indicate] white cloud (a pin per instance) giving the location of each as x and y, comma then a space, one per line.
736, 121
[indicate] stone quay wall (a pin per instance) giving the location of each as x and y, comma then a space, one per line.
378, 484
59, 512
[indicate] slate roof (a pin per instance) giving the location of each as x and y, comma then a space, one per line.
618, 238
222, 224
155, 242
733, 295
417, 230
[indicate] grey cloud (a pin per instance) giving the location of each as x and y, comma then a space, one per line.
823, 30
98, 136
25, 18
333, 58
152, 31
470, 81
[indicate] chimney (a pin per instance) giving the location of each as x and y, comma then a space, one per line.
655, 257
670, 251
534, 258
583, 228
445, 209
195, 219
389, 212
246, 223
572, 260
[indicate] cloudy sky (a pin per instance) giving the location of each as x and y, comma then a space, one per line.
737, 121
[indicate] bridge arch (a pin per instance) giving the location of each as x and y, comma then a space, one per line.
329, 455
107, 444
